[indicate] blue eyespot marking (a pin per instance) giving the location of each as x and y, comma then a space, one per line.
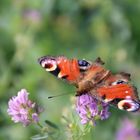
83, 63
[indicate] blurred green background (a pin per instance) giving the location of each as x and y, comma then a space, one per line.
86, 29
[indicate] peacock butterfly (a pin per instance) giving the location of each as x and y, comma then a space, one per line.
94, 79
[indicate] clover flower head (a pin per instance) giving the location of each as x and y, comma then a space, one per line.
127, 131
23, 110
32, 16
88, 109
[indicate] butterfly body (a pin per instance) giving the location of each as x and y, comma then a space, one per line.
94, 79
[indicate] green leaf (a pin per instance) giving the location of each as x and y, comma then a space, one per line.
51, 124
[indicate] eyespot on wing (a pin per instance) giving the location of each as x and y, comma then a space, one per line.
129, 105
83, 64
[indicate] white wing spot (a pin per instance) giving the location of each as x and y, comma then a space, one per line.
128, 97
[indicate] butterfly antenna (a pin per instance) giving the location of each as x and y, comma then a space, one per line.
63, 94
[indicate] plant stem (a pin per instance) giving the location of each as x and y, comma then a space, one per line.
39, 125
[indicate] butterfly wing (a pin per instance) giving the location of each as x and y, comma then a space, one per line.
72, 70
61, 67
120, 94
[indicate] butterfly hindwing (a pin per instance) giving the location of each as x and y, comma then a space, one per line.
119, 92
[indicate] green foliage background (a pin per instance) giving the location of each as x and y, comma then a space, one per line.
86, 29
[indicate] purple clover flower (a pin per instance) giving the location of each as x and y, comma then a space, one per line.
33, 16
128, 131
104, 114
88, 109
23, 110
